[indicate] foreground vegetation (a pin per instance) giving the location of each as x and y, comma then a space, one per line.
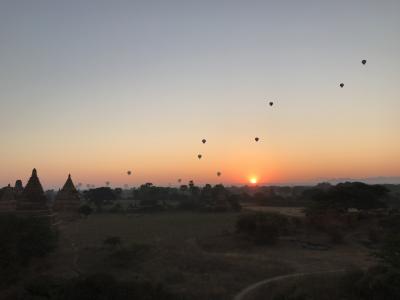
213, 253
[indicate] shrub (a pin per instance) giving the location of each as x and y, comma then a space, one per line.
113, 241
116, 208
336, 234
21, 239
96, 286
124, 257
262, 228
85, 210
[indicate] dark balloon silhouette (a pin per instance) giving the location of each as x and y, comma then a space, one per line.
271, 103
218, 174
256, 139
107, 183
203, 141
364, 61
179, 180
342, 85
129, 172
199, 156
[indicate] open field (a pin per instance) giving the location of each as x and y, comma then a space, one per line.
289, 211
197, 255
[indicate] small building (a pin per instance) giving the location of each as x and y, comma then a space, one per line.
8, 200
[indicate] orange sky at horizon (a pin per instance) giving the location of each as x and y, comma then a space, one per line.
97, 89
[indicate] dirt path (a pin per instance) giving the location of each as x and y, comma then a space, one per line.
247, 292
72, 245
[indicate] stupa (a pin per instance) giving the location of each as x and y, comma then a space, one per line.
8, 200
33, 197
67, 199
19, 188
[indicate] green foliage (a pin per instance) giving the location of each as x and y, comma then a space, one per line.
100, 196
374, 284
126, 256
85, 210
99, 286
262, 228
390, 248
117, 208
377, 283
21, 239
113, 241
346, 195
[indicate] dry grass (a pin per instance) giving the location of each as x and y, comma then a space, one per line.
198, 255
289, 211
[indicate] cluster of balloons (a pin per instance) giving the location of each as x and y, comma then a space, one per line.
364, 61
199, 156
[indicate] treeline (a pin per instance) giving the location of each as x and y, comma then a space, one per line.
149, 197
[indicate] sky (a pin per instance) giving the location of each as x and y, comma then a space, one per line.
97, 88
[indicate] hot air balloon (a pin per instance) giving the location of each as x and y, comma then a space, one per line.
271, 103
256, 139
107, 183
218, 174
199, 156
203, 141
179, 180
364, 61
342, 85
129, 172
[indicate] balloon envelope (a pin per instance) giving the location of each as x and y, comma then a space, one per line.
256, 139
364, 61
199, 156
342, 85
203, 141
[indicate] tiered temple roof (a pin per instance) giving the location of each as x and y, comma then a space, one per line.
33, 197
67, 199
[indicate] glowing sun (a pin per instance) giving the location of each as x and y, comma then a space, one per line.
253, 180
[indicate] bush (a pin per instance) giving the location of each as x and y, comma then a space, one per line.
21, 239
85, 210
117, 208
262, 228
126, 256
336, 234
379, 282
97, 286
113, 241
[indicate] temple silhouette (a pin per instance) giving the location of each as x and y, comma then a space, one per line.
32, 199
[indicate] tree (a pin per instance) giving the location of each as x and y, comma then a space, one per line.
344, 196
85, 210
113, 241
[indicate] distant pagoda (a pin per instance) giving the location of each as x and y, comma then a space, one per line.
32, 197
67, 199
8, 200
19, 188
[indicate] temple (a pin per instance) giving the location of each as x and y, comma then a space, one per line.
32, 197
67, 199
7, 199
